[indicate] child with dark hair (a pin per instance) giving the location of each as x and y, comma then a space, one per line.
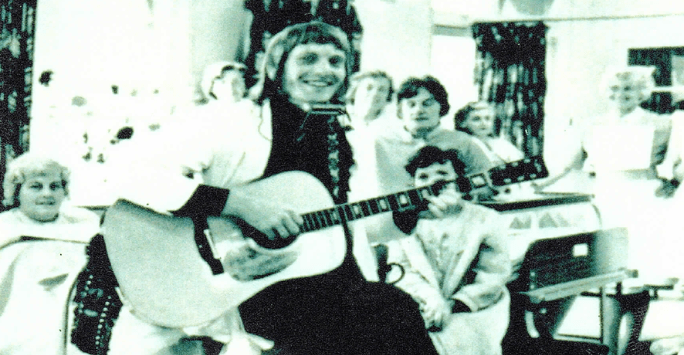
430, 155
456, 262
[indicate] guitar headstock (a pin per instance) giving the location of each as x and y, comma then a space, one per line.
527, 169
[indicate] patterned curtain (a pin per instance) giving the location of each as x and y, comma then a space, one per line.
16, 64
272, 16
510, 73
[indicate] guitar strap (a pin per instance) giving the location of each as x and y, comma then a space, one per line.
97, 302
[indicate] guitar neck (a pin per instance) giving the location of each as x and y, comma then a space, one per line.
515, 172
396, 202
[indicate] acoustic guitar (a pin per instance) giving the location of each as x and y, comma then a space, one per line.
170, 277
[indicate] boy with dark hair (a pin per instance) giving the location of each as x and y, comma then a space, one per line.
456, 261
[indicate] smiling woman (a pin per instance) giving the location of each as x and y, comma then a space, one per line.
42, 249
35, 189
41, 196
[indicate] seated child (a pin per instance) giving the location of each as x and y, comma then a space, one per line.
456, 262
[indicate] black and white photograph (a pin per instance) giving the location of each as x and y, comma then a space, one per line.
341, 177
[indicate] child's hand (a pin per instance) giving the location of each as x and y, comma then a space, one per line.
448, 202
435, 311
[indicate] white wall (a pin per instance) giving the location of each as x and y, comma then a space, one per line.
154, 54
92, 45
153, 51
459, 12
217, 31
453, 63
396, 36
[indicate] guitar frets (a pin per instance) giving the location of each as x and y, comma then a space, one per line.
357, 210
383, 205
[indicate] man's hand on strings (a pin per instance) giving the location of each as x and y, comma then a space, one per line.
271, 219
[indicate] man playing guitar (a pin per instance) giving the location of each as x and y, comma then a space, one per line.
334, 311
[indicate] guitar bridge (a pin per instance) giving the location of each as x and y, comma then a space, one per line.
210, 242
205, 246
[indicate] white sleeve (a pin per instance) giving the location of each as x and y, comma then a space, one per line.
675, 148
163, 171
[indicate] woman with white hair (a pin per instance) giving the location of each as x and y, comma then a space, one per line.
35, 189
42, 249
622, 149
479, 120
368, 95
224, 81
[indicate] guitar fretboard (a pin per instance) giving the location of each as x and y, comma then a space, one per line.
401, 201
518, 171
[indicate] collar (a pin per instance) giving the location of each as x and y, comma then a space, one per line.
407, 137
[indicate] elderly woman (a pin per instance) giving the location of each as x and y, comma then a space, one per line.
42, 249
479, 120
224, 81
622, 149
